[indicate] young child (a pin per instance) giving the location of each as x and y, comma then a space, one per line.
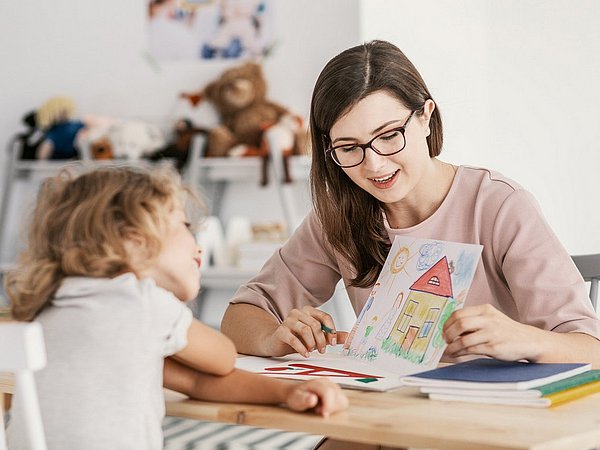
109, 262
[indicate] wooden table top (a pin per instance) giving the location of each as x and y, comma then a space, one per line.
403, 418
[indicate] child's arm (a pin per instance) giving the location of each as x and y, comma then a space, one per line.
207, 350
245, 387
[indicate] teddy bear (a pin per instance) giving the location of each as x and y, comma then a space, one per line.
239, 97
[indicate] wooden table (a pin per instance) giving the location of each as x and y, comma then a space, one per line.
404, 419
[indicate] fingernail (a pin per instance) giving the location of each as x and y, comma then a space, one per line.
333, 341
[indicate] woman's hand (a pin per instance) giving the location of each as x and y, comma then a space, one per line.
483, 330
323, 396
301, 330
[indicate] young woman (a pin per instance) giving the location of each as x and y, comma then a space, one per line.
376, 137
110, 260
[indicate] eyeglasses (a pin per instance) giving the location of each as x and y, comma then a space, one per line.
387, 143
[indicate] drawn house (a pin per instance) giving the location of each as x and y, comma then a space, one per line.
420, 313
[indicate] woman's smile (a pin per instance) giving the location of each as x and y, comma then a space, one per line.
386, 181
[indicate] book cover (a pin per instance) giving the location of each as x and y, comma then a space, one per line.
421, 283
487, 373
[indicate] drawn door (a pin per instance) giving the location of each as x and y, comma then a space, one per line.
410, 337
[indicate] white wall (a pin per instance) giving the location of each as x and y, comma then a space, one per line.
518, 86
96, 54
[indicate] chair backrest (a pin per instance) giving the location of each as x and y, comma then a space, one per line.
22, 352
589, 267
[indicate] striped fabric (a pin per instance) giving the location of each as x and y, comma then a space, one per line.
185, 434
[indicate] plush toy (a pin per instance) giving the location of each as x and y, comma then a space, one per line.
132, 139
179, 147
239, 96
32, 138
56, 118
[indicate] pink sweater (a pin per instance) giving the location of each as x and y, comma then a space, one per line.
524, 271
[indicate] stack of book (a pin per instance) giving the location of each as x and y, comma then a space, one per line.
508, 383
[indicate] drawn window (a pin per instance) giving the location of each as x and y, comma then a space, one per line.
407, 317
429, 321
434, 281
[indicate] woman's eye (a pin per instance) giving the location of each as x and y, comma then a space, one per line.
349, 148
389, 136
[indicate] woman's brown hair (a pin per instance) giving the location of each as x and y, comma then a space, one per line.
79, 227
351, 218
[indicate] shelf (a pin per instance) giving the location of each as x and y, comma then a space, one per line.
245, 168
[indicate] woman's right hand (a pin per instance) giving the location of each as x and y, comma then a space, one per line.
301, 330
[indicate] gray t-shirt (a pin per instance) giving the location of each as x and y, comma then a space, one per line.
106, 340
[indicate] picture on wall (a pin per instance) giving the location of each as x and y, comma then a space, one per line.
208, 29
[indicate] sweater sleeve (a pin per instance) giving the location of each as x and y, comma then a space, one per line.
548, 291
302, 272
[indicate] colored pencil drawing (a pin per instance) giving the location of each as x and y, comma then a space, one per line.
421, 283
312, 370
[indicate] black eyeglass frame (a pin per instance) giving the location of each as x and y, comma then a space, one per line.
363, 147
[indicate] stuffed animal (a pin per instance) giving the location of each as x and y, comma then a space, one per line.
179, 147
56, 118
239, 96
32, 138
132, 139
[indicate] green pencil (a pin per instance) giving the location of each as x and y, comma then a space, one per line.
326, 329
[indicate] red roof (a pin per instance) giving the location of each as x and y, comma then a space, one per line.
436, 280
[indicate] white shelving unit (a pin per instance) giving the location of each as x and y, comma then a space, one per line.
216, 175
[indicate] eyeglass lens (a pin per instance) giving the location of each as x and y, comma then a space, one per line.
386, 144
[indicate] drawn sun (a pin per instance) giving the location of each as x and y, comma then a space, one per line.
400, 260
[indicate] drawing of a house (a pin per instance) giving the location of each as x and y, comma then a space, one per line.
415, 326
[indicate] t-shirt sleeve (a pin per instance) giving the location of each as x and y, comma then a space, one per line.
302, 272
171, 319
547, 288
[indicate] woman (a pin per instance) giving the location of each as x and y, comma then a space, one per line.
376, 135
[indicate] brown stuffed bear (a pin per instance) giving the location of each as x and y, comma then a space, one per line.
239, 96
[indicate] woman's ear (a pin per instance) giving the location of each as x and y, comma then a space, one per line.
428, 109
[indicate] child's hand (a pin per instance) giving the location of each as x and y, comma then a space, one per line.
324, 396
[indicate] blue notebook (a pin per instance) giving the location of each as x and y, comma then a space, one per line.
486, 373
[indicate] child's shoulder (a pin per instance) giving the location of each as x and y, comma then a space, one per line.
121, 287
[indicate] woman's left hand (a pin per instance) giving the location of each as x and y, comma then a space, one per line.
483, 330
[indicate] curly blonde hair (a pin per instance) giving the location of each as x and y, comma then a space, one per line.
80, 224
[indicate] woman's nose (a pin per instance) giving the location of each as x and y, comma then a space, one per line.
373, 160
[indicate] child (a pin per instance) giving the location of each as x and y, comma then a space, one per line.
109, 261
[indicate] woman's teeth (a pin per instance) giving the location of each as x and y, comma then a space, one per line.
383, 180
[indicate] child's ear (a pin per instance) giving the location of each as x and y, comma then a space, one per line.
136, 249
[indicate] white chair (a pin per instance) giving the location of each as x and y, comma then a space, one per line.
589, 267
22, 352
